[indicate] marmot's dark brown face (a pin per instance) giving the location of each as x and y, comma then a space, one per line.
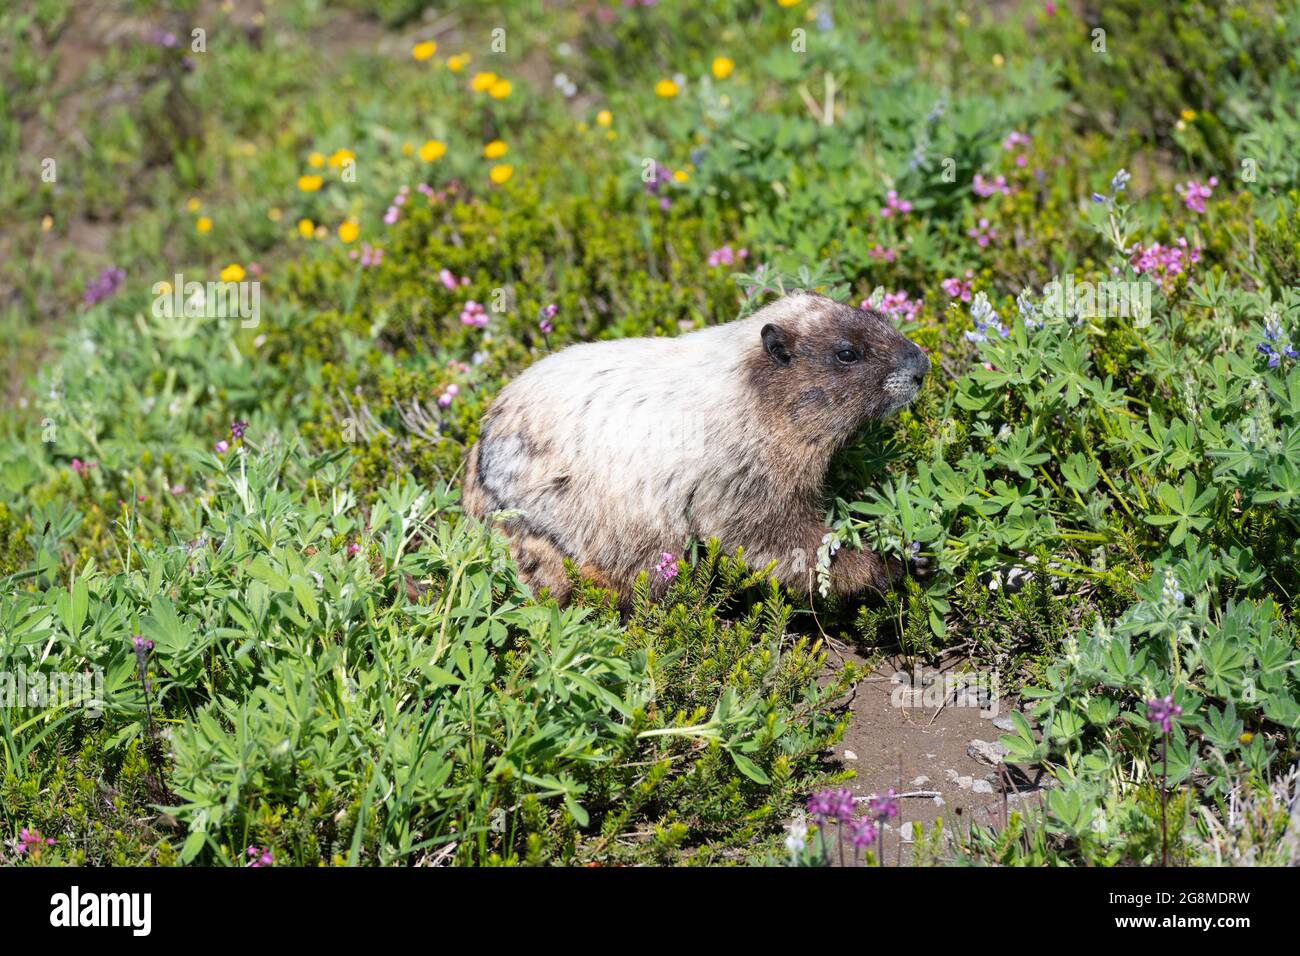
834, 365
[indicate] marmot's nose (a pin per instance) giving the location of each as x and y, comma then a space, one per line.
920, 366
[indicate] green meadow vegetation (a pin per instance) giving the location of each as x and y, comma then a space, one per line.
244, 526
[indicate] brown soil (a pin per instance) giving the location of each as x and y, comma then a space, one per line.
903, 738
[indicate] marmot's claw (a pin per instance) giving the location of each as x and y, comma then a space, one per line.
921, 568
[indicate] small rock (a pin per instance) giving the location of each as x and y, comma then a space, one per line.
981, 786
938, 801
850, 755
981, 751
1004, 724
965, 782
920, 781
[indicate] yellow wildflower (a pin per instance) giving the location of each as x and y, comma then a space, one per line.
311, 183
666, 89
604, 118
501, 173
233, 273
500, 89
203, 226
423, 51
722, 67
482, 82
306, 228
349, 231
431, 150
495, 149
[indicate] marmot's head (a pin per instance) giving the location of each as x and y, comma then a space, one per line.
831, 366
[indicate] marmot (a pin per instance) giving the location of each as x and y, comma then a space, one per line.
612, 453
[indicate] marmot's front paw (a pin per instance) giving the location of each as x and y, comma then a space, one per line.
917, 566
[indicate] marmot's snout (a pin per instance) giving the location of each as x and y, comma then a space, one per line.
904, 382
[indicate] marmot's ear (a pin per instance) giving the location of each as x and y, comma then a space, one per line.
777, 343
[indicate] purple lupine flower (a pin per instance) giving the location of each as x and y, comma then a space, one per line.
985, 318
237, 429
827, 805
222, 447
103, 285
1163, 712
862, 833
885, 807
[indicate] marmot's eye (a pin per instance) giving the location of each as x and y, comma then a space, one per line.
846, 356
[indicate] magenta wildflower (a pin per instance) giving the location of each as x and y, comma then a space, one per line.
1195, 193
1163, 713
1015, 139
898, 305
370, 256
1164, 263
80, 467
544, 317
390, 215
445, 399
982, 233
958, 288
31, 836
987, 187
141, 643
222, 447
237, 429
882, 254
259, 857
895, 205
726, 256
353, 548
667, 566
473, 313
